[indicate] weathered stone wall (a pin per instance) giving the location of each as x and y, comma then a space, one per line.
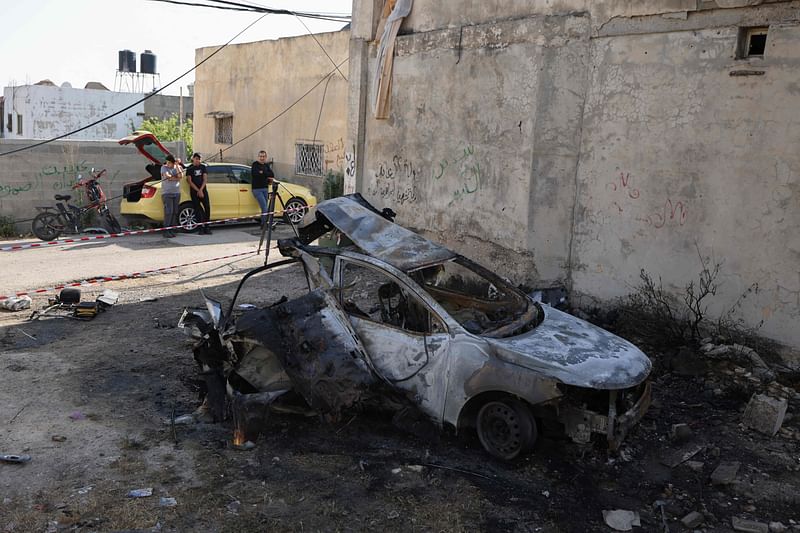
266, 81
32, 177
584, 141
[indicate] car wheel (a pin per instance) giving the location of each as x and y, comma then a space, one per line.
46, 226
186, 218
506, 428
294, 217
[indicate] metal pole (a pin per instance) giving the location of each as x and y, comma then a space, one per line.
180, 114
271, 216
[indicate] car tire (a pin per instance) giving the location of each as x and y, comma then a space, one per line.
295, 217
506, 428
186, 218
70, 295
46, 226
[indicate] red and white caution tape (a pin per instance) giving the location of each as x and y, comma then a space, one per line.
136, 232
101, 279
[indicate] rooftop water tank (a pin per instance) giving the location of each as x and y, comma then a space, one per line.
127, 61
147, 62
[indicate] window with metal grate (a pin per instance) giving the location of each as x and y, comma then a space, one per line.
223, 130
308, 158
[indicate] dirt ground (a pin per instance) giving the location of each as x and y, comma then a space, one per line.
91, 403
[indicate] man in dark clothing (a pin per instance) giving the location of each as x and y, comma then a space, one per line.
262, 182
197, 175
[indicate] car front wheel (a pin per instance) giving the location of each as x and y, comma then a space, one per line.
506, 428
297, 213
187, 218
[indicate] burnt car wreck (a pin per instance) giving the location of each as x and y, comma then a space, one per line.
390, 313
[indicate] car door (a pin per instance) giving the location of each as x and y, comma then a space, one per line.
247, 202
223, 192
406, 341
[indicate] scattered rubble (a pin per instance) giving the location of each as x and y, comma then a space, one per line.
765, 414
140, 493
749, 526
680, 432
725, 473
622, 520
692, 520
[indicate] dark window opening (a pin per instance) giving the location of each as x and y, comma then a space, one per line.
223, 130
8, 124
19, 124
752, 42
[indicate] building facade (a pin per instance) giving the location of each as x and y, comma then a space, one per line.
285, 96
582, 142
45, 111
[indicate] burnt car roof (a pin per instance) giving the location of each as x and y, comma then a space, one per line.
380, 237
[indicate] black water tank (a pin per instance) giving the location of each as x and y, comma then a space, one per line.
147, 62
127, 61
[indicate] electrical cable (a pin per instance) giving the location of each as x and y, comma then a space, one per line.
322, 47
276, 117
237, 6
321, 105
95, 123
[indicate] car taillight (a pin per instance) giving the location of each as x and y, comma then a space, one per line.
148, 191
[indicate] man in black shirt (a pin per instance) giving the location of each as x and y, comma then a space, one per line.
262, 182
197, 175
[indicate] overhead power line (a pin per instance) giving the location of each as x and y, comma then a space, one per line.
276, 117
239, 6
95, 123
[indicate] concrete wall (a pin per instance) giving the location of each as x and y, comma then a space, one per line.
259, 81
48, 112
583, 141
32, 177
164, 106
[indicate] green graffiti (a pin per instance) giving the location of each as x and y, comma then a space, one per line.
9, 190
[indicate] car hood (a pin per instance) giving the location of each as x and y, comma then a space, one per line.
575, 352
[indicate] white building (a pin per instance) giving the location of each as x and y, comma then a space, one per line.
44, 111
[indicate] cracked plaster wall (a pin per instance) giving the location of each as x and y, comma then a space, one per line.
578, 143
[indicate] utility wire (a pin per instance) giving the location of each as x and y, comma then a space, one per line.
322, 47
236, 6
276, 117
95, 123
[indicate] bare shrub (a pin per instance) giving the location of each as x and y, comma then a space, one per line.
682, 317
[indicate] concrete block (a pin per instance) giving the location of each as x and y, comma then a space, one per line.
725, 473
765, 414
680, 432
692, 520
749, 526
695, 466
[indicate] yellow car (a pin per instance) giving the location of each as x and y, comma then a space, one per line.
228, 188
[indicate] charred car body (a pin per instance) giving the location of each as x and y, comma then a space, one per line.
391, 311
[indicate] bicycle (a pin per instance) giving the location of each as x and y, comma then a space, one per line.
68, 218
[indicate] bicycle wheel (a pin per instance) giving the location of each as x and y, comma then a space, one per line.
111, 222
47, 226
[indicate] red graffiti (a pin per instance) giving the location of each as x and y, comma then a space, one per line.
671, 211
624, 179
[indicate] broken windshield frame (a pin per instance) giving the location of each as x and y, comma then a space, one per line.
482, 302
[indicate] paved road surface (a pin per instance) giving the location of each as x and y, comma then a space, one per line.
30, 269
